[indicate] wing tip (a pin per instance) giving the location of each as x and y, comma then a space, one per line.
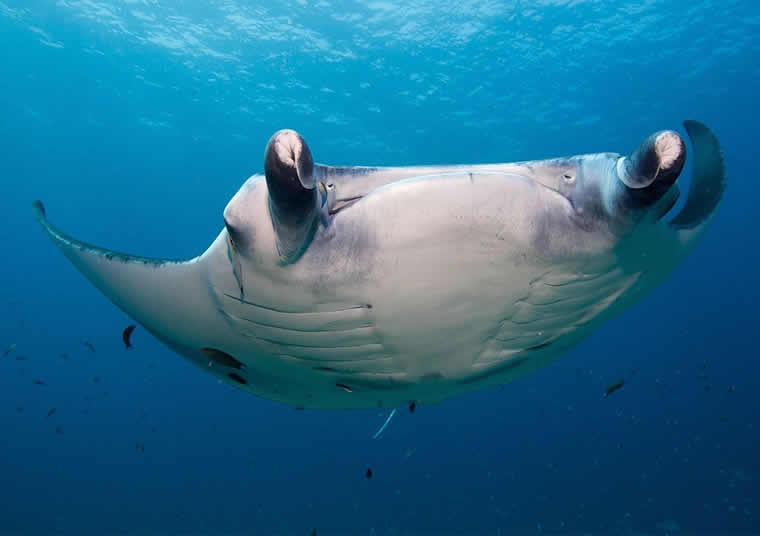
693, 123
39, 209
708, 180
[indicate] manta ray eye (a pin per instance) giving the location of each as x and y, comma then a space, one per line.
568, 178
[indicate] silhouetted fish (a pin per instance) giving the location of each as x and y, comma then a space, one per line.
412, 406
50, 413
126, 334
614, 386
368, 474
58, 430
39, 382
9, 350
89, 346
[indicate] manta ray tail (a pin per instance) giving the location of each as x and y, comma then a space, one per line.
380, 431
159, 294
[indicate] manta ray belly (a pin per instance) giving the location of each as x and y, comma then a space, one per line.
430, 303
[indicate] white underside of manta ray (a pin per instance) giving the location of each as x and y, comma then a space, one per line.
361, 287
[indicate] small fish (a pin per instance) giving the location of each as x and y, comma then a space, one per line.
89, 346
313, 532
9, 350
19, 410
126, 334
368, 474
58, 430
614, 386
50, 413
39, 382
64, 356
21, 358
412, 406
95, 379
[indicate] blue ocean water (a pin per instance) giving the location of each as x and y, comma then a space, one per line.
136, 121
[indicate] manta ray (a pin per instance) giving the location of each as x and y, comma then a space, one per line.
361, 287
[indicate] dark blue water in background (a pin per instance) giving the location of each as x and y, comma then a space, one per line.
136, 122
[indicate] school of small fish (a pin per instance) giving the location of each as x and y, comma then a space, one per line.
220, 357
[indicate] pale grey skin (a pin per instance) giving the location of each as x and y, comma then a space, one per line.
414, 283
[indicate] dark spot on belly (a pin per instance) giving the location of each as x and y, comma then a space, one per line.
222, 358
238, 378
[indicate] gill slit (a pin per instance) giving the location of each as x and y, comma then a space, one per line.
236, 268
